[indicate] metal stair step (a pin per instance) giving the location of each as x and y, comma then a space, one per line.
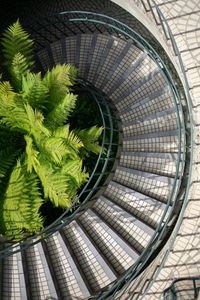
99, 50
132, 74
129, 55
70, 282
129, 228
157, 163
160, 142
102, 61
117, 252
147, 85
150, 184
87, 47
158, 122
13, 280
38, 276
95, 269
109, 62
157, 101
70, 44
118, 53
145, 208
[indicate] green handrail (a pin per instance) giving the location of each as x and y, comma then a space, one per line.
128, 33
174, 292
96, 18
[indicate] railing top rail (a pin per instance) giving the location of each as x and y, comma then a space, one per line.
124, 29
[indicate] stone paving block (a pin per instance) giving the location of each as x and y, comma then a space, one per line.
196, 115
193, 76
196, 137
188, 40
194, 191
186, 243
184, 23
195, 94
191, 58
195, 175
180, 7
189, 226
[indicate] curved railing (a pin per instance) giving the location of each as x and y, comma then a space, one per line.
110, 25
189, 286
190, 148
113, 26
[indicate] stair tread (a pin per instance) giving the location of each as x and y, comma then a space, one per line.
142, 89
117, 54
158, 163
128, 58
152, 184
132, 74
156, 101
136, 233
70, 282
119, 254
41, 284
166, 141
147, 209
90, 260
100, 46
13, 280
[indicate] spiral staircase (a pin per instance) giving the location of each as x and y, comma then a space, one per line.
117, 244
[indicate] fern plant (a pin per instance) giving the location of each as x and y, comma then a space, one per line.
41, 158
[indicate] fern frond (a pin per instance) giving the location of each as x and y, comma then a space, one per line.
20, 204
60, 113
89, 138
71, 140
54, 185
56, 148
32, 161
34, 91
12, 114
36, 119
58, 81
74, 168
18, 68
76, 174
7, 160
16, 40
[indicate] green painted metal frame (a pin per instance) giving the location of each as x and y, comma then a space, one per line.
128, 33
122, 29
172, 293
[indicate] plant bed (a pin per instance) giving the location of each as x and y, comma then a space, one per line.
46, 153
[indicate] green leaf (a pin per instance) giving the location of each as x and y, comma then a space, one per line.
71, 140
18, 68
20, 205
56, 148
16, 40
55, 185
58, 81
90, 137
74, 169
12, 113
34, 92
36, 120
32, 161
60, 113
